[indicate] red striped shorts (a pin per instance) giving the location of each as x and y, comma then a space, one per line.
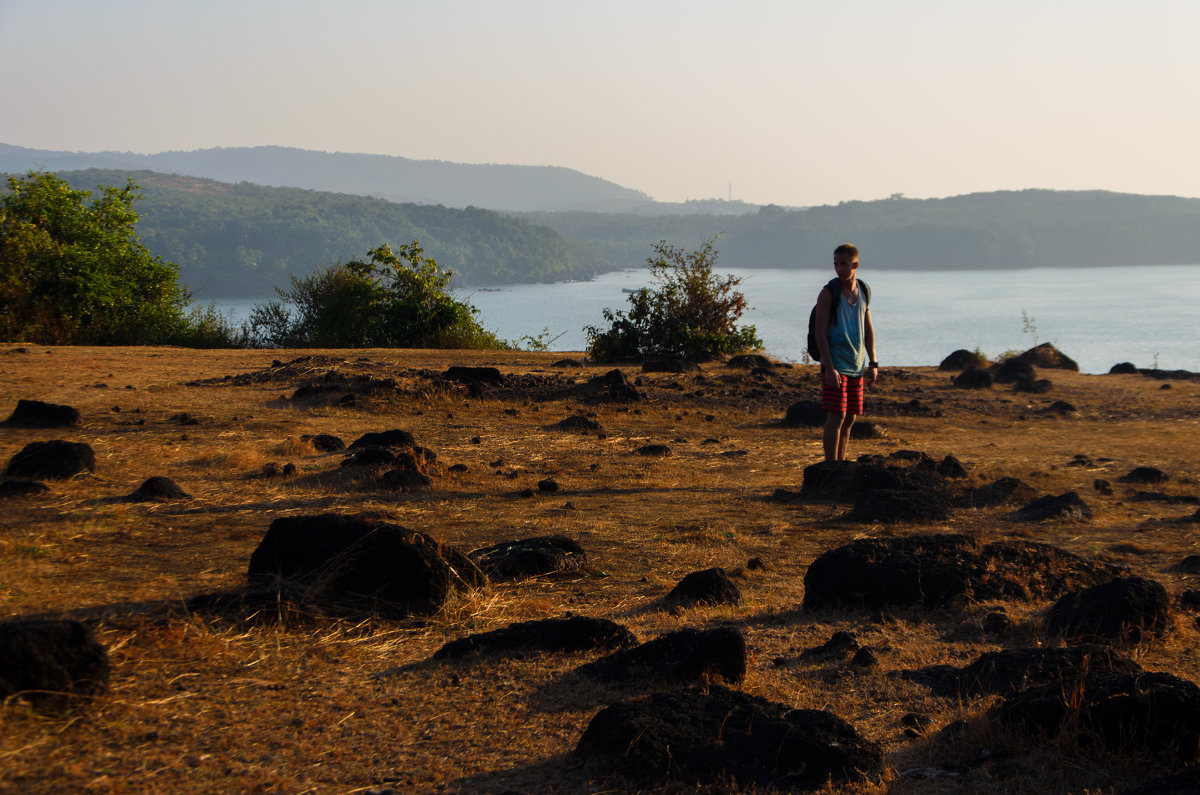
847, 397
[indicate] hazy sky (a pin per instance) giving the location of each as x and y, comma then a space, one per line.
790, 101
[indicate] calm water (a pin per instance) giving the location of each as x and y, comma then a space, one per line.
1097, 316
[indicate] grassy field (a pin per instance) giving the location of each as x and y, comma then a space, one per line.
200, 703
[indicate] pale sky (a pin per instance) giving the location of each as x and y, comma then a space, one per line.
789, 101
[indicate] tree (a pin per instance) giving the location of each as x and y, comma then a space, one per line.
73, 271
395, 299
693, 312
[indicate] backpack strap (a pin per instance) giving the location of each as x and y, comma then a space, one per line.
834, 286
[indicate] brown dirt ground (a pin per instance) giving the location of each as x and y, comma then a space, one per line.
203, 704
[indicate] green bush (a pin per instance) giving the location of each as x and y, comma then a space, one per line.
73, 271
692, 312
395, 299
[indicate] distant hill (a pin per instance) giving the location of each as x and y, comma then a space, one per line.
398, 179
245, 240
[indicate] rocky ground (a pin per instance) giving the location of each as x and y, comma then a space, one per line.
411, 571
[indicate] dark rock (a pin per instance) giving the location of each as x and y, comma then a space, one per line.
1189, 565
568, 363
1061, 407
158, 488
973, 378
899, 505
183, 418
566, 635
750, 361
392, 438
12, 489
756, 564
477, 375
917, 721
668, 366
865, 658
1003, 491
940, 570
370, 457
1037, 387
326, 443
951, 467
963, 359
1128, 609
839, 646
688, 655
1067, 506
1012, 670
548, 485
361, 562
51, 663
1123, 368
53, 460
996, 622
866, 429
530, 557
836, 481
1159, 496
1013, 370
1190, 598
405, 479
805, 414
1144, 475
1046, 355
707, 587
654, 450
786, 496
38, 414
1102, 486
578, 424
1126, 713
728, 738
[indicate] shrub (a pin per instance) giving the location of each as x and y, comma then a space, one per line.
395, 299
693, 311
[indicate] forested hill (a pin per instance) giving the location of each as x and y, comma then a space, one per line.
245, 240
1008, 229
399, 179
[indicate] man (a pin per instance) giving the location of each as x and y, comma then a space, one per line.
847, 352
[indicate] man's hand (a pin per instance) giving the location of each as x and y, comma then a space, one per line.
870, 376
831, 377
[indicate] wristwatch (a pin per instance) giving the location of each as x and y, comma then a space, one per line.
873, 364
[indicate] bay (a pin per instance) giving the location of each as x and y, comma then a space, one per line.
1142, 314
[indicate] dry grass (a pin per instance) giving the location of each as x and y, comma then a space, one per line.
290, 704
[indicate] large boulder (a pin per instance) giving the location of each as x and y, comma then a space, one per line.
1014, 370
1129, 609
805, 414
728, 738
1069, 507
963, 359
565, 635
940, 570
1012, 670
53, 460
360, 563
707, 587
51, 662
39, 414
530, 557
1126, 713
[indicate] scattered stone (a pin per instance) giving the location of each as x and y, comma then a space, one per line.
1123, 368
867, 429
1039, 386
476, 375
53, 460
1068, 506
1013, 370
750, 361
13, 489
1127, 609
668, 366
158, 488
840, 645
565, 635
548, 485
370, 457
996, 622
1102, 486
722, 737
324, 442
756, 564
1189, 565
530, 557
963, 359
183, 418
51, 663
916, 722
1144, 475
362, 563
289, 470
654, 450
1046, 355
577, 423
707, 587
1061, 407
940, 570
39, 414
688, 655
392, 438
973, 378
900, 505
1012, 670
1126, 713
951, 467
405, 479
805, 414
568, 363
865, 658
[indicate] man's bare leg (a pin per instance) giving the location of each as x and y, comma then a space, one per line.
835, 446
843, 437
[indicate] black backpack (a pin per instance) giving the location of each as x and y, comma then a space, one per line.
834, 286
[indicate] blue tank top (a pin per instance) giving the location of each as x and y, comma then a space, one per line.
845, 335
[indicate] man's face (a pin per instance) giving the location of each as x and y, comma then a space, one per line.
844, 265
